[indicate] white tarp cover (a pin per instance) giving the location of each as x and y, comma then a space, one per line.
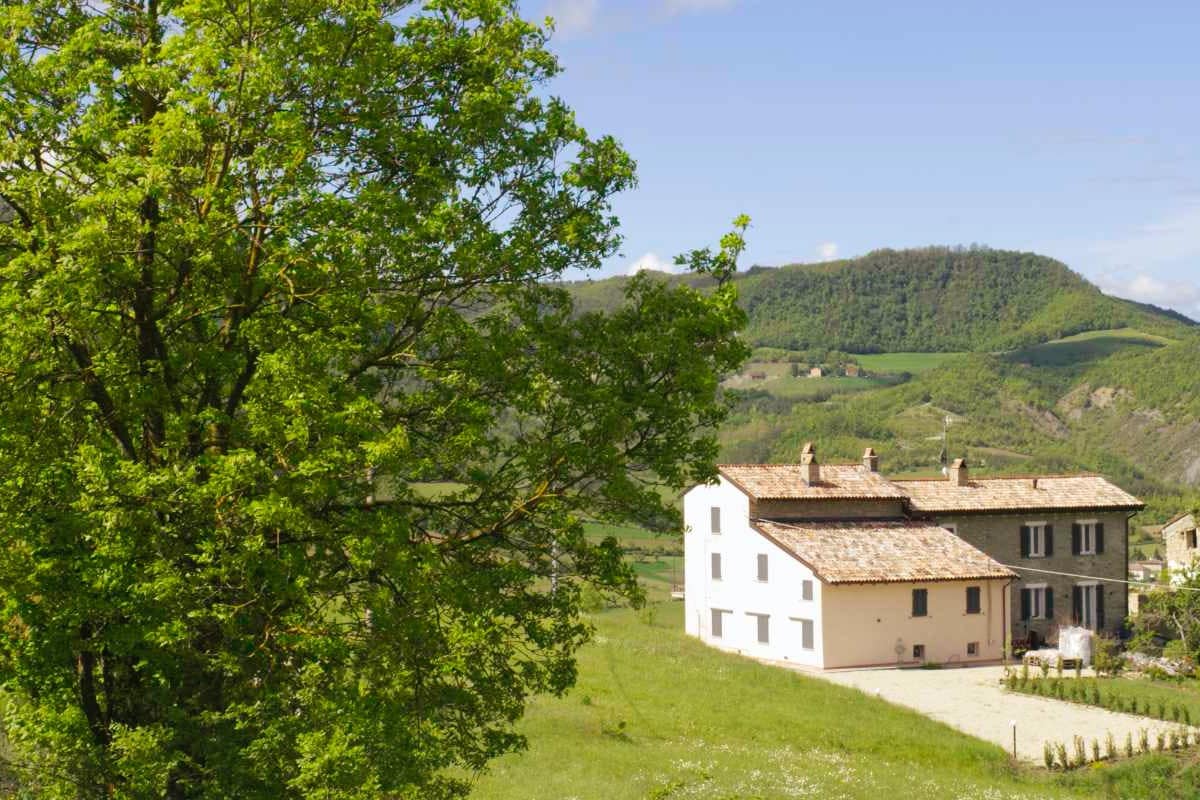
1075, 643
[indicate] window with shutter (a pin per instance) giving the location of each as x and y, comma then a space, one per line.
762, 567
1034, 540
763, 622
716, 566
920, 602
806, 634
715, 519
973, 604
806, 590
718, 622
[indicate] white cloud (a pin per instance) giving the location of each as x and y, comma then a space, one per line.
827, 251
1173, 238
1146, 288
572, 17
651, 261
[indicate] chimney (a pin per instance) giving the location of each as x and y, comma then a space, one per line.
958, 472
808, 460
870, 460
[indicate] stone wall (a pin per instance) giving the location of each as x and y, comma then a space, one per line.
999, 535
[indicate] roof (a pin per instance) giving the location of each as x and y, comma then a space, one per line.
882, 552
1053, 492
1181, 517
786, 482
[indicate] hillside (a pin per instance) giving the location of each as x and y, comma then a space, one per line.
933, 299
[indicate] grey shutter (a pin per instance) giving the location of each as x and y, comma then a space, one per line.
1099, 607
717, 628
764, 629
806, 634
920, 603
1048, 540
1076, 604
715, 519
1099, 537
1076, 538
716, 566
1049, 595
1024, 541
1024, 604
806, 590
973, 600
762, 567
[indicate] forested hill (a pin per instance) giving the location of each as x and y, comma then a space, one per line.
932, 299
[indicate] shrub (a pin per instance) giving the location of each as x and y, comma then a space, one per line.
1106, 656
1078, 668
1176, 713
1144, 740
1048, 754
1095, 750
1063, 760
1129, 744
1058, 667
1095, 694
1160, 742
1161, 711
1044, 665
1080, 752
1110, 747
1187, 716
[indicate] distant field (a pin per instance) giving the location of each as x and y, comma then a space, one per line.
1085, 347
895, 363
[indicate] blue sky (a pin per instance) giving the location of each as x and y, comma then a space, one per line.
1070, 129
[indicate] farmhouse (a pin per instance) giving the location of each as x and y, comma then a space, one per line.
1179, 538
834, 565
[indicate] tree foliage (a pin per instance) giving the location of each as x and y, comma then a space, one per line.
293, 431
1171, 615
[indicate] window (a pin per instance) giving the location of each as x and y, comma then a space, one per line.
763, 622
920, 605
1087, 538
1037, 602
806, 589
1037, 540
918, 652
952, 528
972, 648
715, 519
716, 566
1087, 605
762, 567
806, 634
973, 606
1191, 539
718, 622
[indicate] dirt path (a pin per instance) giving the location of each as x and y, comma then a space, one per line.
972, 700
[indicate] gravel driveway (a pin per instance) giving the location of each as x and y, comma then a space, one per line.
972, 700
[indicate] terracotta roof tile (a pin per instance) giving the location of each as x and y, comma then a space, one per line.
786, 482
1017, 494
882, 552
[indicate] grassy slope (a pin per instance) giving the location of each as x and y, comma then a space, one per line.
657, 714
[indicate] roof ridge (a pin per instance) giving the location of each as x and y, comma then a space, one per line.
1020, 477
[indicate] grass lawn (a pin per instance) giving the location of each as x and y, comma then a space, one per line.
1085, 347
895, 363
656, 714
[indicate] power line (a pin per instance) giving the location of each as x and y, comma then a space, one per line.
1109, 580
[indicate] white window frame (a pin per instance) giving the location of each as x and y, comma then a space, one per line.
1090, 624
1037, 538
974, 645
1037, 599
1087, 536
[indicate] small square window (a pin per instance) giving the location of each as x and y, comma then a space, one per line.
918, 652
972, 648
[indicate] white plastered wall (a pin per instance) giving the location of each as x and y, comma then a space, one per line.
739, 592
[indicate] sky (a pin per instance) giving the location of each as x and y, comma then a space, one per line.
1065, 128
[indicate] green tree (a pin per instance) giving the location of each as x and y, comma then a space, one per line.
294, 427
1171, 613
